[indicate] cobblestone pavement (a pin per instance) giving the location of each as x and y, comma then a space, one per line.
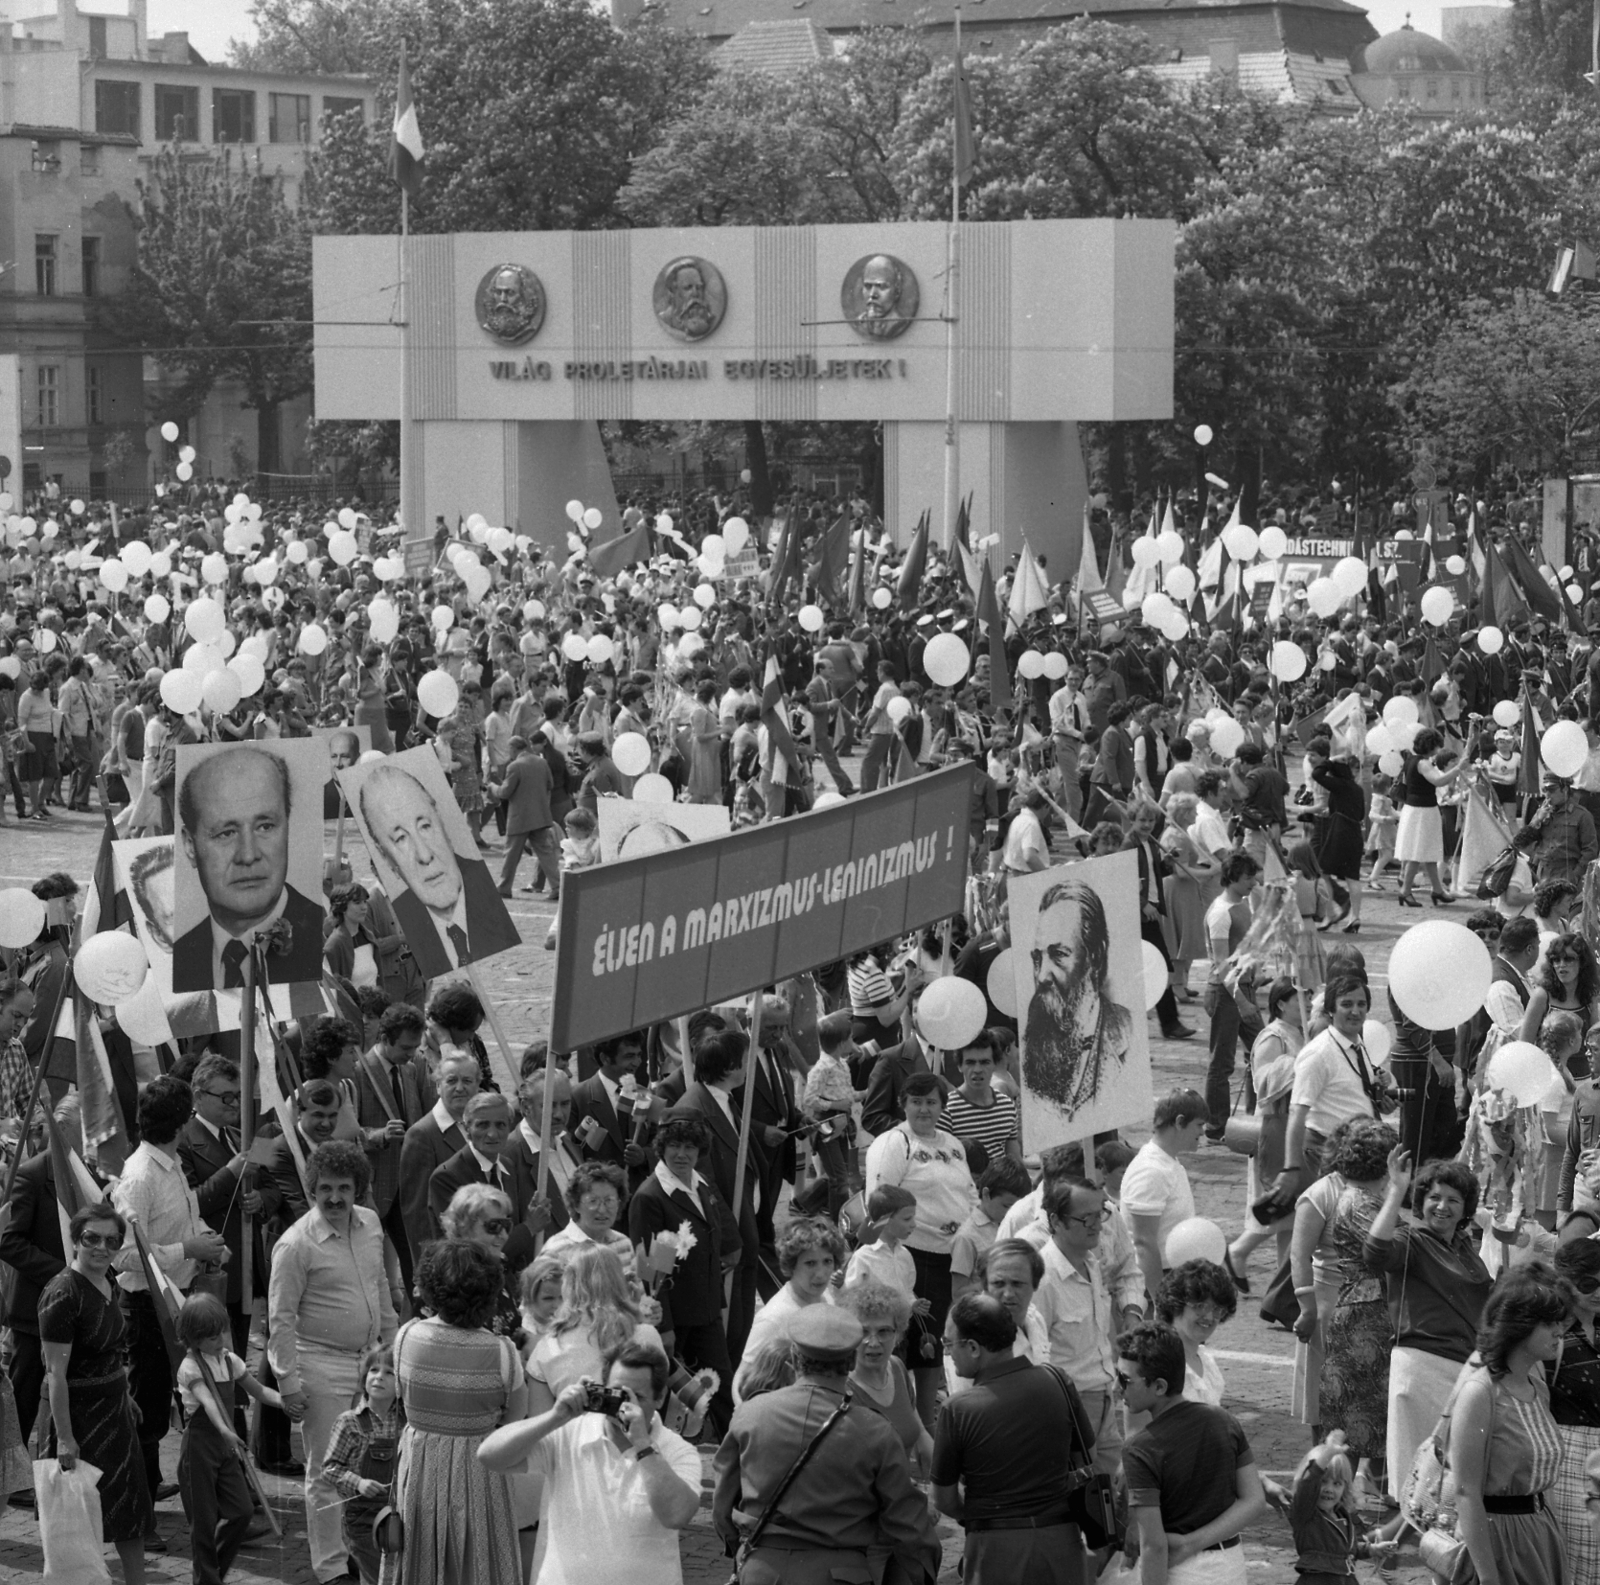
1256, 1359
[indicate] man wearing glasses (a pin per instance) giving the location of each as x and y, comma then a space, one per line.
1083, 1308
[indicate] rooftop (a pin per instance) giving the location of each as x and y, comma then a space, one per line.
1283, 75
781, 48
1407, 50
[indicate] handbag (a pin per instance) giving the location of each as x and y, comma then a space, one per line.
1427, 1499
1091, 1497
750, 1542
1242, 1132
1497, 873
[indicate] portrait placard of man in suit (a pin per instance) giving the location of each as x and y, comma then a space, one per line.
445, 899
248, 860
346, 745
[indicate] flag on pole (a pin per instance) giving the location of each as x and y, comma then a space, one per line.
166, 1299
407, 153
775, 718
965, 152
1142, 576
74, 1186
989, 614
1540, 596
1116, 574
610, 556
1529, 777
833, 558
915, 567
1028, 592
856, 596
781, 558
1088, 579
967, 557
105, 1134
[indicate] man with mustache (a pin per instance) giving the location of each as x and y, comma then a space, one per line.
1074, 1030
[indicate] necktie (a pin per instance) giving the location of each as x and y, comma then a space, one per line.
233, 966
458, 939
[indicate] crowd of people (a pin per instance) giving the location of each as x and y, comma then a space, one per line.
501, 1322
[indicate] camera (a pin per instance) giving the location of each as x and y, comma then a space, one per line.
605, 1400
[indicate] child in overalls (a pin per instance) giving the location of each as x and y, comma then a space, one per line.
217, 1499
360, 1460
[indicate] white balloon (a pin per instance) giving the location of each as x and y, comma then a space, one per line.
169, 431
296, 551
347, 517
1491, 640
1322, 595
1392, 763
161, 564
600, 649
143, 1017
1288, 662
811, 618
1226, 736
114, 576
343, 548
1180, 583
264, 571
735, 535
951, 1012
214, 568
1030, 664
250, 671
533, 611
1350, 576
1001, 982
203, 659
22, 917
1507, 713
652, 788
204, 620
1055, 665
136, 557
45, 639
383, 622
1169, 544
222, 690
1564, 748
1154, 606
575, 646
180, 691
575, 510
1145, 551
882, 598
442, 617
690, 645
1195, 1238
438, 693
156, 608
1380, 740
1378, 1038
714, 548
110, 967
1436, 605
704, 596
1156, 974
1202, 434
593, 517
1272, 542
1439, 974
1401, 710
1455, 565
313, 639
898, 708
630, 753
184, 471
690, 618
1522, 1071
946, 659
186, 453
1240, 542
667, 615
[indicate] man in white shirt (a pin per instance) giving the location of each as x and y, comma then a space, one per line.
1333, 1081
1210, 831
1069, 720
1156, 1194
155, 1196
1084, 1308
880, 729
1507, 1001
618, 1486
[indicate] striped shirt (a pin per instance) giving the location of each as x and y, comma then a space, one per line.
991, 1126
869, 988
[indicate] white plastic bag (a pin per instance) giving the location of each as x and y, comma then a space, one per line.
1119, 1572
69, 1523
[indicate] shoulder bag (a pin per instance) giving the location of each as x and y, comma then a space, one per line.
1427, 1499
1091, 1497
753, 1540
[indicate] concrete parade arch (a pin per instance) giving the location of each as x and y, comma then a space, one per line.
509, 347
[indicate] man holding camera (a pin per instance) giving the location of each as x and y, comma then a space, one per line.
618, 1485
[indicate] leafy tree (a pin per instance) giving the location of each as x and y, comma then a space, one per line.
222, 286
532, 113
1514, 383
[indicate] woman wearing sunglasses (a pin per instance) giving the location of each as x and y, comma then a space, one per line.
482, 1215
1574, 1378
1568, 980
83, 1333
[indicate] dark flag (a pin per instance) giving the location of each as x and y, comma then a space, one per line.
915, 567
406, 154
1539, 595
989, 614
833, 558
609, 558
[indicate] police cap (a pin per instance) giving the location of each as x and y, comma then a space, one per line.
828, 1335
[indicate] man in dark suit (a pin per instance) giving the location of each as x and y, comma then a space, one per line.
487, 1123
883, 1108
719, 1066
602, 1113
529, 821
774, 1115
447, 903
522, 1147
432, 1141
234, 827
317, 1104
393, 1091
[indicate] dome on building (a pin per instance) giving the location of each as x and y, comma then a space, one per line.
1407, 50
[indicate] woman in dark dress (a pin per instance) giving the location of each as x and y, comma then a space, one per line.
1338, 840
83, 1333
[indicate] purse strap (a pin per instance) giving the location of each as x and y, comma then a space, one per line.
753, 1540
1083, 1441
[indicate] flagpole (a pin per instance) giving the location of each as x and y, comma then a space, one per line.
952, 430
408, 528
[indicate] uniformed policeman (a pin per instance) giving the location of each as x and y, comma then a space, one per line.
853, 1492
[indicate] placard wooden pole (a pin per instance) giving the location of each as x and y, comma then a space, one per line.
546, 1143
508, 1063
685, 1051
247, 1117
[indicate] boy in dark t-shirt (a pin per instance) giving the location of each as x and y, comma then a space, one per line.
1190, 1473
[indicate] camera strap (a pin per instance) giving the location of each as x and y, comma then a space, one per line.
753, 1540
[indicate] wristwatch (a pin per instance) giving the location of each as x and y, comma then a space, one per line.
642, 1454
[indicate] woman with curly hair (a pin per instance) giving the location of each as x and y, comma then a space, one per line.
810, 1251
1436, 1286
1574, 1380
458, 1381
879, 1378
1419, 843
1195, 1299
595, 1193
1566, 978
1505, 1447
599, 1313
1342, 1360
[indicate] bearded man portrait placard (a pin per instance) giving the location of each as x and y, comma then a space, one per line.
1079, 962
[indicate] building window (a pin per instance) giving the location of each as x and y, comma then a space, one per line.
96, 392
97, 38
89, 158
91, 266
46, 156
233, 116
177, 114
116, 108
1402, 88
46, 257
333, 105
49, 389
1455, 87
289, 118
1433, 87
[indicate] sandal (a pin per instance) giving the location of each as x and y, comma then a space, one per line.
1353, 928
